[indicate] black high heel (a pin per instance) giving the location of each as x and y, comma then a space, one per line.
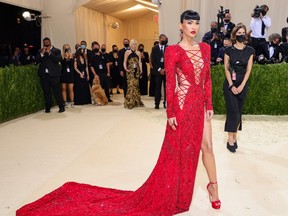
231, 148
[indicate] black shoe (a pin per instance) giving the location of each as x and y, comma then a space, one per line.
231, 148
156, 106
109, 100
47, 110
235, 145
61, 109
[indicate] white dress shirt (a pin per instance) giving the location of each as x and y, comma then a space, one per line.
256, 26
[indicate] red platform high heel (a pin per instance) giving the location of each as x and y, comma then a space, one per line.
215, 204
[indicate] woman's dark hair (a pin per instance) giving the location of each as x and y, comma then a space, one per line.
189, 15
235, 30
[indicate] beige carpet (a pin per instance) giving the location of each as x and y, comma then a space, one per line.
114, 147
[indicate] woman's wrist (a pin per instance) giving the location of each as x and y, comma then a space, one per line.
231, 86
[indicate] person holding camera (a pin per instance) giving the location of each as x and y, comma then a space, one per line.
274, 48
49, 59
228, 25
259, 25
214, 39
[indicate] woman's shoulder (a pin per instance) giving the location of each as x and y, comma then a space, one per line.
250, 49
204, 45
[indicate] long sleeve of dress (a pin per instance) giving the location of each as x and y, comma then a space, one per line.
208, 84
170, 68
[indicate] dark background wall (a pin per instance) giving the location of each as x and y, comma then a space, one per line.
15, 31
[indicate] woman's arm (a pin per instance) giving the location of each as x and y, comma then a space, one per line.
247, 74
228, 74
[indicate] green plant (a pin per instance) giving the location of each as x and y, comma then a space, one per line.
267, 93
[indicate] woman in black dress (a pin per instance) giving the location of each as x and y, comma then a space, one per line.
67, 75
238, 60
143, 82
81, 84
114, 71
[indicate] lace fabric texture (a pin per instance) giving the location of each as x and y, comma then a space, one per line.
169, 188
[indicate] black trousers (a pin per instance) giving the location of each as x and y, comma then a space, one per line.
152, 85
48, 82
260, 46
159, 79
104, 82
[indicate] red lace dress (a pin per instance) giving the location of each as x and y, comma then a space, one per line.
169, 188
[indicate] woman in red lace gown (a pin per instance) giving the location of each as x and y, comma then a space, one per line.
169, 188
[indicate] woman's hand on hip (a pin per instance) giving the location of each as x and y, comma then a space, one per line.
172, 122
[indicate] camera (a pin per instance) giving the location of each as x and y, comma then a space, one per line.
257, 11
220, 18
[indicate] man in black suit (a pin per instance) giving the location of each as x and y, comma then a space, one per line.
285, 33
120, 65
274, 48
50, 72
157, 60
228, 25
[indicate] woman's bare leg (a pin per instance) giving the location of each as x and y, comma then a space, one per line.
209, 159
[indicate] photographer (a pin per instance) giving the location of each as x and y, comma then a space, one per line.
50, 72
228, 25
259, 25
214, 39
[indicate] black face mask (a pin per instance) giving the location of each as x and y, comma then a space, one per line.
164, 42
126, 45
115, 50
67, 50
103, 50
141, 49
227, 20
240, 38
96, 50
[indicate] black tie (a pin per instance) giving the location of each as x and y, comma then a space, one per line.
162, 50
263, 28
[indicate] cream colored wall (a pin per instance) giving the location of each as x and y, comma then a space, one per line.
144, 30
30, 4
170, 11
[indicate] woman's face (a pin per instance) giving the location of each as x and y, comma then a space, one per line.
190, 28
241, 31
133, 46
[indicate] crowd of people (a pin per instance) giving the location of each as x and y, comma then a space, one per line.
185, 68
275, 50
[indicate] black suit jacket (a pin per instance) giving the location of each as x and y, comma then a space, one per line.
156, 56
121, 54
51, 62
276, 51
284, 33
229, 29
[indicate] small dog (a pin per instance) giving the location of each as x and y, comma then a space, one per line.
97, 93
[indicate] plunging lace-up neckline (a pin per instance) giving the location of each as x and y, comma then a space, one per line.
195, 57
